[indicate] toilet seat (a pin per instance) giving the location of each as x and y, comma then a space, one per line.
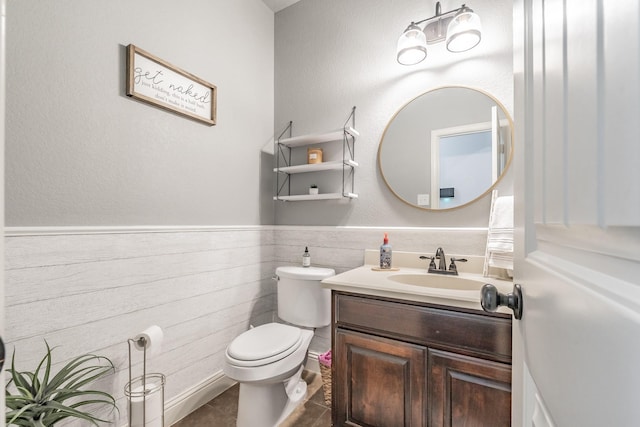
264, 344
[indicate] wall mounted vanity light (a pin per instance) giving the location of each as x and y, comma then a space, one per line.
459, 28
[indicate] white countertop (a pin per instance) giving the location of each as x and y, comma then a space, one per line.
369, 281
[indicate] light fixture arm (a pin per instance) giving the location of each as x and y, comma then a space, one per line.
439, 14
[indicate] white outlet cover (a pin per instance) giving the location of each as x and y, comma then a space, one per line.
423, 200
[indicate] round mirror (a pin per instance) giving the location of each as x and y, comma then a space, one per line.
446, 148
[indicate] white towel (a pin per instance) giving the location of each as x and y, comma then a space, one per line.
502, 215
500, 237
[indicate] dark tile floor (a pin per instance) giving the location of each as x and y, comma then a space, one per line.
221, 411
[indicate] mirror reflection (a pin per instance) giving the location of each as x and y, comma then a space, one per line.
446, 148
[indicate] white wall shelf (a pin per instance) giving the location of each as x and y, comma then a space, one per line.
323, 196
320, 138
324, 166
284, 168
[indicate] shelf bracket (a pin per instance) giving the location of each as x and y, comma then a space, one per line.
286, 159
348, 144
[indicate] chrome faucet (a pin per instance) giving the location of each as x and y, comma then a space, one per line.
442, 263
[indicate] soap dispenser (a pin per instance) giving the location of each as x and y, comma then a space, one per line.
385, 253
306, 258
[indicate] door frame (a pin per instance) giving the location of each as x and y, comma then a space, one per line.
436, 136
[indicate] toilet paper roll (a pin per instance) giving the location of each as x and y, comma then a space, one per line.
151, 338
153, 405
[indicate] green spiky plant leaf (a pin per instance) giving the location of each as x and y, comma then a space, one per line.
43, 399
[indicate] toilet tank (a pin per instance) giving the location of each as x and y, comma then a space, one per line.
301, 299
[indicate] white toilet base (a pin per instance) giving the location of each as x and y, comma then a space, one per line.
267, 405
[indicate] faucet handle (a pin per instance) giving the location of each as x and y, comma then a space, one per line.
432, 264
453, 266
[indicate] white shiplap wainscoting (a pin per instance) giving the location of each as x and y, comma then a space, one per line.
89, 290
342, 248
86, 290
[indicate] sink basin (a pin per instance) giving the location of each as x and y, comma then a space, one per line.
454, 283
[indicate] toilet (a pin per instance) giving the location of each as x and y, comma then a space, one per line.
268, 360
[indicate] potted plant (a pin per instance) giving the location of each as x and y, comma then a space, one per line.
313, 189
41, 399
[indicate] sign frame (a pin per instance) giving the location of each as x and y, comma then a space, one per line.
163, 85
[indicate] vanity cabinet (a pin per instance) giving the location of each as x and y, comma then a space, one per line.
402, 363
285, 168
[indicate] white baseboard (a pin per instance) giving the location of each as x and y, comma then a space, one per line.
193, 398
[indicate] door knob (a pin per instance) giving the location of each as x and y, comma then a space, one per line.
491, 299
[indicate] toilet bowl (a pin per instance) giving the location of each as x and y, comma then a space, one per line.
268, 360
278, 351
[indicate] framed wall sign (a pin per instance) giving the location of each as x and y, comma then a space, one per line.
156, 82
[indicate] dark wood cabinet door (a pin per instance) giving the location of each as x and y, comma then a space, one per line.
468, 392
378, 381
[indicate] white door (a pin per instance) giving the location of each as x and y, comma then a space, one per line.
577, 192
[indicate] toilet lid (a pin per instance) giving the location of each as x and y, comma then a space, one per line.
265, 344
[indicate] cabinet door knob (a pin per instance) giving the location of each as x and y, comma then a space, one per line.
491, 299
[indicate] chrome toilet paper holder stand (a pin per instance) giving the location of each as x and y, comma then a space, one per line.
156, 383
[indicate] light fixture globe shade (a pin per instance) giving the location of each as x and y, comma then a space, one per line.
412, 46
464, 31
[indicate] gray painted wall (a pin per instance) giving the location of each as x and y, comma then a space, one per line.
79, 152
331, 55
